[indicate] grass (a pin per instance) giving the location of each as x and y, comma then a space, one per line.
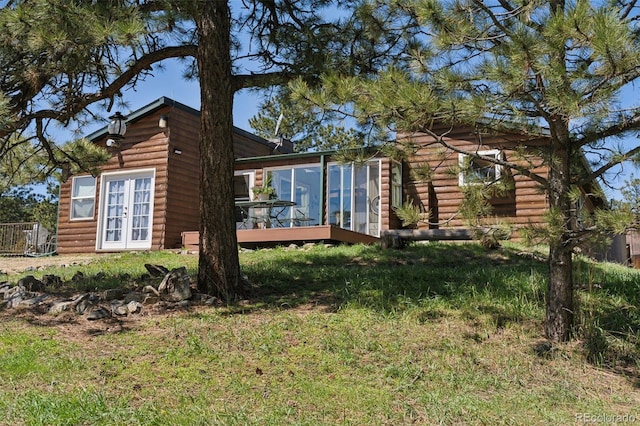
434, 334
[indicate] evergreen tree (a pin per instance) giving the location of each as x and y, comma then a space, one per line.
545, 68
60, 57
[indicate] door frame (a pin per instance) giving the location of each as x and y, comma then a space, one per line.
128, 174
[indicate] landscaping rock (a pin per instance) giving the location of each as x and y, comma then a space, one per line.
176, 285
156, 270
52, 281
113, 294
59, 307
98, 313
85, 301
134, 307
150, 289
31, 283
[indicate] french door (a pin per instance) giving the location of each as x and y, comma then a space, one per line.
126, 210
354, 196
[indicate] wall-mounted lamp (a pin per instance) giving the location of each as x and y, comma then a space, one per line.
163, 123
117, 127
177, 151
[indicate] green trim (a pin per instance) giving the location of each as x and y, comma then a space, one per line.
280, 156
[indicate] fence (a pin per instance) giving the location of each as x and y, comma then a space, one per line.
26, 239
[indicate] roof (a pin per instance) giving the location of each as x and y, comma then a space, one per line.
162, 102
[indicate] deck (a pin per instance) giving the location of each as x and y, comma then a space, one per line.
285, 236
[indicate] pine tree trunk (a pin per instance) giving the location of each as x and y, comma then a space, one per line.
559, 312
218, 265
559, 315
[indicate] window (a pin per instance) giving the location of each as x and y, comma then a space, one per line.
354, 196
396, 185
83, 195
475, 171
301, 184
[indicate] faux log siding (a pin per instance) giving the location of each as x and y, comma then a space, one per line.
145, 147
244, 147
525, 205
183, 181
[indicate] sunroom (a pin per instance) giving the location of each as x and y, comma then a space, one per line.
315, 197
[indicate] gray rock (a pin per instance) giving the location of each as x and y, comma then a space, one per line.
134, 307
35, 301
151, 299
134, 296
84, 302
60, 307
176, 285
98, 313
113, 294
150, 289
31, 283
156, 270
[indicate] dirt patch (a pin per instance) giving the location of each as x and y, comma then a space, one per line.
17, 264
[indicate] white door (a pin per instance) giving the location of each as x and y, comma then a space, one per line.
127, 211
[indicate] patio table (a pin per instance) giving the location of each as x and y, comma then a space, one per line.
263, 211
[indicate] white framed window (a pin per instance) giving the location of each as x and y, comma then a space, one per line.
83, 197
474, 171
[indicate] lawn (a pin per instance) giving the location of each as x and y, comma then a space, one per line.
433, 334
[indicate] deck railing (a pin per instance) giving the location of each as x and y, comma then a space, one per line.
26, 239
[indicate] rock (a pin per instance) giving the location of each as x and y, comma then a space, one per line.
119, 308
77, 277
113, 294
150, 289
176, 285
14, 296
134, 307
134, 296
156, 270
52, 281
151, 299
60, 307
31, 283
84, 302
98, 313
35, 301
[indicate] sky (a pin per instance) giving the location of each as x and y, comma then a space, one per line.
170, 83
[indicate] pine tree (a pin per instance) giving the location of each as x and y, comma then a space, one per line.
553, 68
61, 57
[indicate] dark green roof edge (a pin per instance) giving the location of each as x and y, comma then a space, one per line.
278, 156
164, 101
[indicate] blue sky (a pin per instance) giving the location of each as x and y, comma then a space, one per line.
170, 83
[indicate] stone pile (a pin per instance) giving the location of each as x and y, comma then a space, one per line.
173, 290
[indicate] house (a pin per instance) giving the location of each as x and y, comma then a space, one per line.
146, 194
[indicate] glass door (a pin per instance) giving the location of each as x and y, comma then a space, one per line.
354, 197
127, 211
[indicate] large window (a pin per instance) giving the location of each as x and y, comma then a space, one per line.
474, 170
302, 185
354, 196
83, 197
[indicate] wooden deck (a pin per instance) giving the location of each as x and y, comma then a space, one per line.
285, 236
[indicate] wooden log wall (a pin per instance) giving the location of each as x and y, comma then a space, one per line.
525, 205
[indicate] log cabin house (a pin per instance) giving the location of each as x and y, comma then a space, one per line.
146, 195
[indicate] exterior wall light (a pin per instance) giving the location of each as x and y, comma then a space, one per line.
117, 127
163, 123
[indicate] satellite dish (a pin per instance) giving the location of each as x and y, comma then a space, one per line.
279, 123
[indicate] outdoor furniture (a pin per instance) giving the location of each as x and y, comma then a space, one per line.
268, 213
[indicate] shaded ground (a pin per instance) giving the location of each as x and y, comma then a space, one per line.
16, 264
